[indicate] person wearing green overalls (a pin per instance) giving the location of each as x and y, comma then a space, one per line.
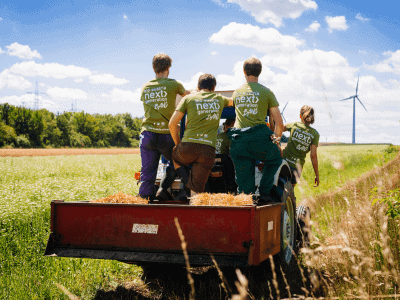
303, 139
252, 139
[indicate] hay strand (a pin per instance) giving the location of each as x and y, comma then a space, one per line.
122, 198
221, 199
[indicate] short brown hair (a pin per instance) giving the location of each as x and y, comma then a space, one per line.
207, 81
307, 113
252, 67
161, 62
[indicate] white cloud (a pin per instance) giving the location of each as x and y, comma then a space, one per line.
107, 79
313, 27
389, 65
273, 11
11, 81
79, 80
359, 17
57, 92
118, 95
338, 23
320, 79
193, 81
27, 101
214, 53
22, 51
362, 51
125, 17
1, 19
1, 51
266, 40
49, 70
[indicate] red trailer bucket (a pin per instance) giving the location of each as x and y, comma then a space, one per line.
236, 236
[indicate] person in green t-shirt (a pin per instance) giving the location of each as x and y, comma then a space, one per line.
197, 147
303, 138
252, 139
223, 142
158, 97
222, 151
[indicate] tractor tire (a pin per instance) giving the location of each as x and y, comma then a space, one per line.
303, 218
287, 255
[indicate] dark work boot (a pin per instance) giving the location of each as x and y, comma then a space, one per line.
163, 195
166, 182
183, 172
262, 200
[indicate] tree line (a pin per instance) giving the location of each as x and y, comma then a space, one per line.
22, 127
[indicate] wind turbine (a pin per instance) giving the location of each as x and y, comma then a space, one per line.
284, 110
354, 109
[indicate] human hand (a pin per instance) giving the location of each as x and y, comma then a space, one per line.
316, 181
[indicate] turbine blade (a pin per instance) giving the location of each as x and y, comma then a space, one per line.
347, 98
357, 84
284, 107
361, 103
284, 118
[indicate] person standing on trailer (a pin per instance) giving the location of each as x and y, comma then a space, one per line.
197, 147
222, 151
252, 139
158, 96
303, 138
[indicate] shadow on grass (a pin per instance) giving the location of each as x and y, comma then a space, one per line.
171, 282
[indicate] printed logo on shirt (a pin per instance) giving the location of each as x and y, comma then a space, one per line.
302, 137
208, 106
248, 101
155, 95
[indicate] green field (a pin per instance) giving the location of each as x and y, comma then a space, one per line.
28, 184
341, 163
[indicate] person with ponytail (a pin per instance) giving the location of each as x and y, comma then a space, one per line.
303, 139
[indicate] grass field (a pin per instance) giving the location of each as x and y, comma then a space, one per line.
28, 184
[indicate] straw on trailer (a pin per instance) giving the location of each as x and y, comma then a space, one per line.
122, 198
221, 199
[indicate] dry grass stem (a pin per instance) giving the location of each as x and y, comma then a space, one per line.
67, 293
241, 286
224, 284
183, 245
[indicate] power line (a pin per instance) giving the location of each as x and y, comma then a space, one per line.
36, 104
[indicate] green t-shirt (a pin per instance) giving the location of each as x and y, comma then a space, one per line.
301, 138
204, 111
223, 144
158, 97
252, 102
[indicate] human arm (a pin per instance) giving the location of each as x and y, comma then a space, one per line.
314, 160
230, 102
173, 126
277, 119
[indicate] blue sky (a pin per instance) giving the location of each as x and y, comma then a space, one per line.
98, 54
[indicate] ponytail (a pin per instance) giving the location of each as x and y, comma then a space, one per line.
307, 113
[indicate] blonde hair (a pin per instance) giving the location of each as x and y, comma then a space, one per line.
307, 113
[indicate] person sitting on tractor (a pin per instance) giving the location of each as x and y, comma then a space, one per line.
222, 149
158, 97
303, 138
197, 147
252, 139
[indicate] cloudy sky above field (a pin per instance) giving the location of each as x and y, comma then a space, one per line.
96, 55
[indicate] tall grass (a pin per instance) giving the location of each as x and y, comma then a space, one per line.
28, 184
356, 245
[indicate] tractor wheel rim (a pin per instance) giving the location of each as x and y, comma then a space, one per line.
288, 230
